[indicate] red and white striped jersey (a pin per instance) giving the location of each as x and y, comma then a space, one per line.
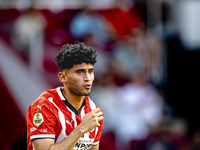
52, 116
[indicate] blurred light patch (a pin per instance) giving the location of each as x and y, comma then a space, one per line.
189, 23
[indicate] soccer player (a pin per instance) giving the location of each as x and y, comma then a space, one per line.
65, 118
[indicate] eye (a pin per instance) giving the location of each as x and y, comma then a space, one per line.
79, 72
91, 71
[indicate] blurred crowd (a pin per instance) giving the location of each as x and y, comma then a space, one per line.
129, 73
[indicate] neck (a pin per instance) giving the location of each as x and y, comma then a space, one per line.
75, 100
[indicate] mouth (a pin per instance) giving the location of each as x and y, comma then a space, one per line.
87, 86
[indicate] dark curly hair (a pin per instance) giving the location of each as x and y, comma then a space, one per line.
71, 54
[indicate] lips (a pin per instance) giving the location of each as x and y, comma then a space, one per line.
87, 86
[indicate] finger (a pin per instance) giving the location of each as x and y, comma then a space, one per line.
98, 114
100, 118
96, 110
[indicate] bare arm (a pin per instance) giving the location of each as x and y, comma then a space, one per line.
89, 122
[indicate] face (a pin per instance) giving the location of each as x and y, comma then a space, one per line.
80, 78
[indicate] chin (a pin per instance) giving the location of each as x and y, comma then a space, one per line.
86, 94
83, 94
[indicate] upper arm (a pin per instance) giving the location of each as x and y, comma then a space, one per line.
42, 144
41, 123
96, 147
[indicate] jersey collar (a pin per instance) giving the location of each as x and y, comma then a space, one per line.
62, 97
60, 93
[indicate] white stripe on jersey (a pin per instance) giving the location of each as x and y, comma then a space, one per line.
62, 121
39, 136
92, 104
60, 93
82, 113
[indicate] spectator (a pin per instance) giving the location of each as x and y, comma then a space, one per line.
140, 52
150, 50
28, 36
127, 60
139, 114
88, 21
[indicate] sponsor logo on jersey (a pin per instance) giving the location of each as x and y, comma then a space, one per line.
70, 123
38, 119
41, 130
38, 106
83, 145
33, 129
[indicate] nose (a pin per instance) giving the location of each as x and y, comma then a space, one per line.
87, 77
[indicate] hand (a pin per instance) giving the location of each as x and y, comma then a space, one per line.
91, 120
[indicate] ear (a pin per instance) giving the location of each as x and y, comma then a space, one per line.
62, 77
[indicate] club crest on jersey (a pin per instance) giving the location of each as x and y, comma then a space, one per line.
38, 119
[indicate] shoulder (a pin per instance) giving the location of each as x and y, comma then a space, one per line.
42, 109
43, 100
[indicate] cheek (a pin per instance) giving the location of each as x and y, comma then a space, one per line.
74, 81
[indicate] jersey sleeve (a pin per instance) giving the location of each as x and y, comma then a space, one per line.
41, 121
98, 134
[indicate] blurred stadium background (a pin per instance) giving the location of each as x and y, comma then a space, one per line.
146, 78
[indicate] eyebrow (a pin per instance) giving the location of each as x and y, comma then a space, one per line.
84, 69
91, 68
80, 69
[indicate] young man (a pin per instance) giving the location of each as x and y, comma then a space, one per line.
66, 118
